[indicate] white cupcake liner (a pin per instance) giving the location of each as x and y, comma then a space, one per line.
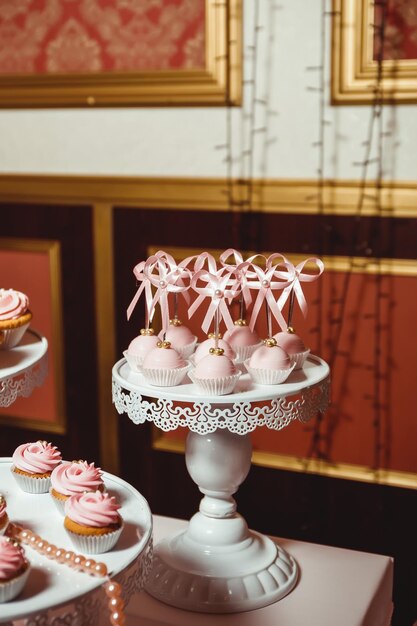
264, 376
10, 337
134, 361
215, 386
95, 544
165, 377
4, 524
31, 484
11, 588
299, 358
60, 504
186, 351
245, 352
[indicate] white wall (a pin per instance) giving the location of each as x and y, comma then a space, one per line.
181, 141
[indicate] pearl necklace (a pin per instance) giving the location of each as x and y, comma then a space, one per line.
78, 562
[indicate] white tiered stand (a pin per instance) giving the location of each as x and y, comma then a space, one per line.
58, 595
218, 565
23, 368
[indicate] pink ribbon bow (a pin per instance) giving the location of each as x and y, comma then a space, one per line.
218, 290
163, 273
240, 269
266, 285
146, 285
295, 277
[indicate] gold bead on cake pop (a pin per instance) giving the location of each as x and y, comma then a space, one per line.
216, 351
163, 344
271, 342
149, 332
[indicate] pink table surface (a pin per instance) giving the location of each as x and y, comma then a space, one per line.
336, 587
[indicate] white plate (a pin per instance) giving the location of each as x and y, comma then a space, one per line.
51, 584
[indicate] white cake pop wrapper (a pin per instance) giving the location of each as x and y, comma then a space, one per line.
215, 386
134, 361
299, 358
165, 377
267, 376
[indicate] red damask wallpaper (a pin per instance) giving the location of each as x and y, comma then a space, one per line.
51, 36
401, 30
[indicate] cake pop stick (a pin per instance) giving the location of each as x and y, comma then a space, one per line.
217, 287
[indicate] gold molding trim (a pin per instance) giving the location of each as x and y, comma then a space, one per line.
398, 199
217, 84
345, 471
105, 335
354, 70
53, 249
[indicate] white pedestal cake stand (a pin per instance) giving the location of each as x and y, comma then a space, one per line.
23, 368
218, 565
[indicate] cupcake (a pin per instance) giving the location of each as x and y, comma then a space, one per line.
70, 479
293, 345
4, 520
215, 374
269, 364
93, 522
181, 338
14, 317
242, 340
205, 347
164, 367
33, 464
139, 348
14, 569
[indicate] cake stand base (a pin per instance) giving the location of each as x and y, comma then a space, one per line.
218, 565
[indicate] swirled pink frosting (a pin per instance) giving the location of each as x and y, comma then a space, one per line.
3, 506
77, 477
36, 458
12, 304
11, 559
95, 509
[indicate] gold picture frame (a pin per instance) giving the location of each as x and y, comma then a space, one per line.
354, 69
55, 363
218, 83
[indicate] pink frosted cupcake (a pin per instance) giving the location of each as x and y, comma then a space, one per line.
293, 345
4, 519
14, 569
70, 479
93, 522
139, 347
33, 464
215, 374
269, 364
14, 317
164, 367
181, 338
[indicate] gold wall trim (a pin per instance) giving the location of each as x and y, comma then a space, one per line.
219, 82
53, 249
398, 199
346, 471
105, 335
354, 70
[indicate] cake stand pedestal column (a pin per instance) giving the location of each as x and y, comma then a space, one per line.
218, 565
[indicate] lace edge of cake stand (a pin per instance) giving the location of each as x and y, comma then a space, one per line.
22, 385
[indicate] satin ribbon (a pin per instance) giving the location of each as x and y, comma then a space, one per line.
296, 276
164, 274
200, 260
178, 276
218, 290
239, 268
140, 277
266, 285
